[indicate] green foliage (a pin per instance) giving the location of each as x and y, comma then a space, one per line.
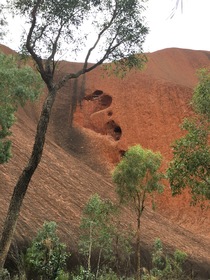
102, 237
117, 27
109, 274
47, 255
137, 174
83, 274
17, 86
104, 274
190, 166
166, 267
96, 226
4, 274
201, 96
62, 275
121, 67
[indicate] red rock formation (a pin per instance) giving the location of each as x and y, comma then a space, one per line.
94, 120
147, 108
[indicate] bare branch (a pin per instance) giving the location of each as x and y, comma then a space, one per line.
99, 37
30, 48
53, 53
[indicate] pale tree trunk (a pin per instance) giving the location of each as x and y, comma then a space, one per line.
98, 263
139, 208
24, 179
90, 247
138, 253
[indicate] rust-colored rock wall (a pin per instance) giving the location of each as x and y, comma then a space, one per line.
94, 121
146, 108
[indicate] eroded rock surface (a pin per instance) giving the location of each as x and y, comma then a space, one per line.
94, 121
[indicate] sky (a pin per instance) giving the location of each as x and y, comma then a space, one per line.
188, 28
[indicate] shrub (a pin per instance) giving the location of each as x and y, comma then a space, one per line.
62, 275
47, 255
4, 274
83, 274
166, 267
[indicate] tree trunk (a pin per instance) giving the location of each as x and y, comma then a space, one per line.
24, 179
98, 263
138, 253
90, 248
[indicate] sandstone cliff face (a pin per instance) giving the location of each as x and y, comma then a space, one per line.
146, 108
94, 121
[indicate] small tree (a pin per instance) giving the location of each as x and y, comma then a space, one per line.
166, 267
101, 236
136, 177
96, 229
47, 255
190, 166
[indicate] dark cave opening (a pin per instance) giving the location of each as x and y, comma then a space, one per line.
97, 93
114, 130
105, 100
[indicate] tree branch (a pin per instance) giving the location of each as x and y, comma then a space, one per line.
54, 50
30, 48
99, 37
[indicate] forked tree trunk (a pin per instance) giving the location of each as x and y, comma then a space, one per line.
24, 179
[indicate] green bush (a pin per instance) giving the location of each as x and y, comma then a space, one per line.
47, 255
62, 275
166, 267
103, 274
104, 241
4, 274
82, 274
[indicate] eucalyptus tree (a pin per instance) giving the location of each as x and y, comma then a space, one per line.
97, 230
46, 256
136, 177
103, 239
119, 33
190, 166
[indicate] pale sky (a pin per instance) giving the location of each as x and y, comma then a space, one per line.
187, 29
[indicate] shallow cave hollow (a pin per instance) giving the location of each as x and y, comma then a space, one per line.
114, 130
105, 100
97, 93
94, 95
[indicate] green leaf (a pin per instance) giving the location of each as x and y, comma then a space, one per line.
18, 84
